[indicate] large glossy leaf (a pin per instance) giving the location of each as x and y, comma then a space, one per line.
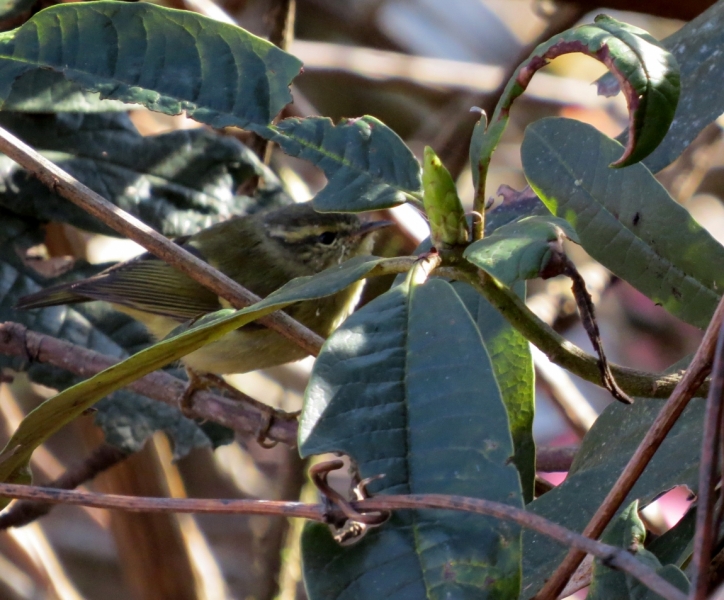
520, 250
603, 455
513, 366
368, 166
406, 388
50, 416
127, 419
167, 60
177, 182
628, 531
624, 218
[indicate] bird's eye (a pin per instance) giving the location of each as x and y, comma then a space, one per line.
327, 237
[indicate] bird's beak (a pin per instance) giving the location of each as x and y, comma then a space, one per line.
370, 226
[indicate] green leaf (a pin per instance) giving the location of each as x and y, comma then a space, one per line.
368, 166
625, 219
522, 249
513, 366
55, 412
41, 91
177, 182
406, 388
442, 204
604, 452
677, 544
698, 47
649, 75
167, 60
127, 419
627, 531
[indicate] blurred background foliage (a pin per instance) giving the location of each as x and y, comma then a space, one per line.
419, 66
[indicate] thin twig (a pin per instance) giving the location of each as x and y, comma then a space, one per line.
708, 476
693, 378
67, 186
245, 418
587, 311
559, 350
616, 558
26, 511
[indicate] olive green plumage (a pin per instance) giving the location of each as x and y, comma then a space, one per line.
262, 252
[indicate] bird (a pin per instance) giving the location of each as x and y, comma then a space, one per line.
262, 252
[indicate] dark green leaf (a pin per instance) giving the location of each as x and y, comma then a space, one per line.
603, 455
177, 182
368, 166
625, 219
677, 544
394, 389
520, 250
42, 91
513, 366
627, 531
649, 72
167, 60
698, 47
442, 204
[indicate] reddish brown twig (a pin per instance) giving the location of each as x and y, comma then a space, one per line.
695, 375
67, 186
26, 511
616, 558
245, 415
708, 475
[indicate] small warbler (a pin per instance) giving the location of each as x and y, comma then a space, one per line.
262, 252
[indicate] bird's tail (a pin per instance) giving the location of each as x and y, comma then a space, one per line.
52, 296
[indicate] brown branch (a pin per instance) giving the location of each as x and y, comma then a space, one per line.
675, 405
67, 186
684, 11
26, 511
550, 459
613, 557
246, 417
587, 311
708, 470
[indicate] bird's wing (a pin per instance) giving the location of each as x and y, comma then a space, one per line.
145, 283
